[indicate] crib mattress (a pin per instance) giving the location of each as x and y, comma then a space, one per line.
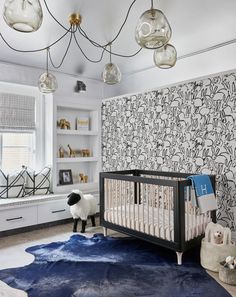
155, 221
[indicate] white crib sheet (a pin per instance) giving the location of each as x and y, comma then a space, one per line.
154, 221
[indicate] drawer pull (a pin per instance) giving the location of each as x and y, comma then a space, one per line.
14, 219
55, 211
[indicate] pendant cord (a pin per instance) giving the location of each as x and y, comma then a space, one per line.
151, 4
47, 59
110, 52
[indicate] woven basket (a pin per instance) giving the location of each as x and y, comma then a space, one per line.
227, 275
212, 254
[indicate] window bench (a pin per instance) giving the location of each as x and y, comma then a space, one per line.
34, 212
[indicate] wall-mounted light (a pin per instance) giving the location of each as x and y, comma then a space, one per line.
80, 86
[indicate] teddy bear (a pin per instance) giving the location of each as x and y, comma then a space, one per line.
218, 237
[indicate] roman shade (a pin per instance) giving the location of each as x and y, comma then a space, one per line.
17, 112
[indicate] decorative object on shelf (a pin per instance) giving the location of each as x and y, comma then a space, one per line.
61, 152
47, 82
85, 153
85, 179
65, 177
111, 73
82, 206
71, 152
152, 31
82, 123
80, 87
81, 177
23, 15
63, 124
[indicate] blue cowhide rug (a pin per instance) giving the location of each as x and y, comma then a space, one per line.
110, 267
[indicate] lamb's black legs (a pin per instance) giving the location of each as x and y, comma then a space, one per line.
93, 220
75, 225
83, 226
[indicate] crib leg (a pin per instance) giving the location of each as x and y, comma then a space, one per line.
105, 231
179, 258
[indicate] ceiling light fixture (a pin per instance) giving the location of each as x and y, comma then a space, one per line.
47, 82
23, 15
111, 74
152, 31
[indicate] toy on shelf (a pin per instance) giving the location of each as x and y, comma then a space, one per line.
71, 151
83, 178
63, 124
61, 152
85, 153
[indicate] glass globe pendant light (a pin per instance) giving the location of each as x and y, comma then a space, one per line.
165, 57
153, 29
47, 82
111, 74
23, 15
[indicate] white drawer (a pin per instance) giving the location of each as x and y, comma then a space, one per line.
53, 211
18, 217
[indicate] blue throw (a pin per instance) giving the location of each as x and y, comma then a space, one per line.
205, 196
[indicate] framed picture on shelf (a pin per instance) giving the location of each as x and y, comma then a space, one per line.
65, 177
82, 123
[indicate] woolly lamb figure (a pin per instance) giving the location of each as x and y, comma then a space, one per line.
82, 206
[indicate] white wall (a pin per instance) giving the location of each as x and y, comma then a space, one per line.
66, 83
215, 61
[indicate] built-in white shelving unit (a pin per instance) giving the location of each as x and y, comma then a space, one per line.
78, 139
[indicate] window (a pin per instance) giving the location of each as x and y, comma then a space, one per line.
21, 127
17, 149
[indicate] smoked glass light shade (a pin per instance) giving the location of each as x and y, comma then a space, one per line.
47, 83
111, 74
23, 15
153, 30
165, 57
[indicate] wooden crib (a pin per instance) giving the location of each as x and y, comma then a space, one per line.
155, 206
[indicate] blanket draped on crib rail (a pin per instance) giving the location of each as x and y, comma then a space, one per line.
204, 192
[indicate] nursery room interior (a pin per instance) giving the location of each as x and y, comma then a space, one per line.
117, 148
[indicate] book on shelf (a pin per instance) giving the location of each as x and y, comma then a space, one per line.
82, 123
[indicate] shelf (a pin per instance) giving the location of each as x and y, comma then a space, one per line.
85, 187
76, 132
77, 160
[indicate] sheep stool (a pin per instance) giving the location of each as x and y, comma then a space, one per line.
82, 206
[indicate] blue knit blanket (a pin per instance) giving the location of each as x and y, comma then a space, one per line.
204, 192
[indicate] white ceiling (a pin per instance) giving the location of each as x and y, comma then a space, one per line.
196, 25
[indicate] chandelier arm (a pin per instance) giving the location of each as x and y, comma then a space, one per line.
35, 50
104, 47
49, 11
63, 58
116, 36
93, 61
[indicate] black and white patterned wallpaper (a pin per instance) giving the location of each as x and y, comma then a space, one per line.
189, 127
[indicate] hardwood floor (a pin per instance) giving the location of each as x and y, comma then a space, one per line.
12, 251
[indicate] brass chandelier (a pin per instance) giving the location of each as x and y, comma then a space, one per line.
152, 32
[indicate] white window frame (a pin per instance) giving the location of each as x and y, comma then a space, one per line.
39, 116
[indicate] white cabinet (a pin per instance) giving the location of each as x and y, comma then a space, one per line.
53, 211
33, 213
18, 217
85, 143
